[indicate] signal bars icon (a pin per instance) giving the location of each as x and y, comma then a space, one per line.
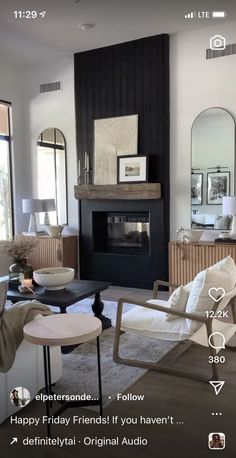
191, 15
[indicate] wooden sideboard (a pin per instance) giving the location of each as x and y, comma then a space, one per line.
54, 252
187, 259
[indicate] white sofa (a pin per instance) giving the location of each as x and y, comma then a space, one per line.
28, 372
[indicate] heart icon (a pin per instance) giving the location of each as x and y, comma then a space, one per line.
216, 294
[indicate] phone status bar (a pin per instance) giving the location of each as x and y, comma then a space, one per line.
206, 15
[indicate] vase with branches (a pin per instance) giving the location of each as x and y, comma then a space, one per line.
19, 251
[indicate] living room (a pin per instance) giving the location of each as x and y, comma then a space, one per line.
149, 62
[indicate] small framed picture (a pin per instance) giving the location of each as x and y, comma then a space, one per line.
132, 169
196, 188
218, 186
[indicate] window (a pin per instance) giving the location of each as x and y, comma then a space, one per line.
6, 219
51, 162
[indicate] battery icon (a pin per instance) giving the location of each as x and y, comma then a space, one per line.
219, 14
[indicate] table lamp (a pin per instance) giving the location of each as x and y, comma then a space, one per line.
49, 205
32, 206
229, 208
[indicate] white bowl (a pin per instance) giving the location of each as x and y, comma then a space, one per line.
55, 231
54, 278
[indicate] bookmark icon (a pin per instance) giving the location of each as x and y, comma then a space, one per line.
217, 385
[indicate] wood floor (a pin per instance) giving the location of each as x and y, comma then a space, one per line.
113, 293
190, 403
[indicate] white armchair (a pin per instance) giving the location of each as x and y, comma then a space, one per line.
149, 319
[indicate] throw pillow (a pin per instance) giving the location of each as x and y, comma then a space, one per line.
228, 265
178, 300
3, 295
222, 274
221, 222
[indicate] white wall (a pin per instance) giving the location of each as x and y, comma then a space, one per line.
54, 109
32, 113
12, 90
195, 84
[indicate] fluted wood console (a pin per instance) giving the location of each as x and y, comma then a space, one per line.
54, 252
187, 259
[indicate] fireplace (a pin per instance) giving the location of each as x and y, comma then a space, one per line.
121, 232
123, 241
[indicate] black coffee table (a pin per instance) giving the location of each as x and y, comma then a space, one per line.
74, 292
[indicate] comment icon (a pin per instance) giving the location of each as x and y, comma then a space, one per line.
217, 340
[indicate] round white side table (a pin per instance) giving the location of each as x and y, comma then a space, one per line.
60, 330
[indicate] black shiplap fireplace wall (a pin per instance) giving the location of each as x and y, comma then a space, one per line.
119, 80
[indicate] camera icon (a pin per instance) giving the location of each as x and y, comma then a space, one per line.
217, 43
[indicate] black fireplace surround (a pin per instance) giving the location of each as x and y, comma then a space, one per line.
137, 266
129, 78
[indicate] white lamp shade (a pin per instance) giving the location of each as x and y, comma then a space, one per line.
229, 205
32, 205
49, 205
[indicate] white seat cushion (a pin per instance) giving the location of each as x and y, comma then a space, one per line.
152, 323
222, 274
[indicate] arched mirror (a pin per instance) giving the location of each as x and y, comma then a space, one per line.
213, 168
51, 167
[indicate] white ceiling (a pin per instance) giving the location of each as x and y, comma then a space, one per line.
27, 41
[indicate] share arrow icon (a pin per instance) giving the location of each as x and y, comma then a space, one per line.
217, 385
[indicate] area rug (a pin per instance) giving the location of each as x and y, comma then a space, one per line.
80, 366
84, 306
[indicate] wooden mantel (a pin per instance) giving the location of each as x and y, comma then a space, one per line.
118, 191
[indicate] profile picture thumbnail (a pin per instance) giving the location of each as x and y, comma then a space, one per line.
216, 441
20, 396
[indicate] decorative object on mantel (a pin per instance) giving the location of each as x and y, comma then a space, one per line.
132, 169
135, 191
55, 231
86, 168
79, 176
113, 137
84, 177
32, 206
19, 251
